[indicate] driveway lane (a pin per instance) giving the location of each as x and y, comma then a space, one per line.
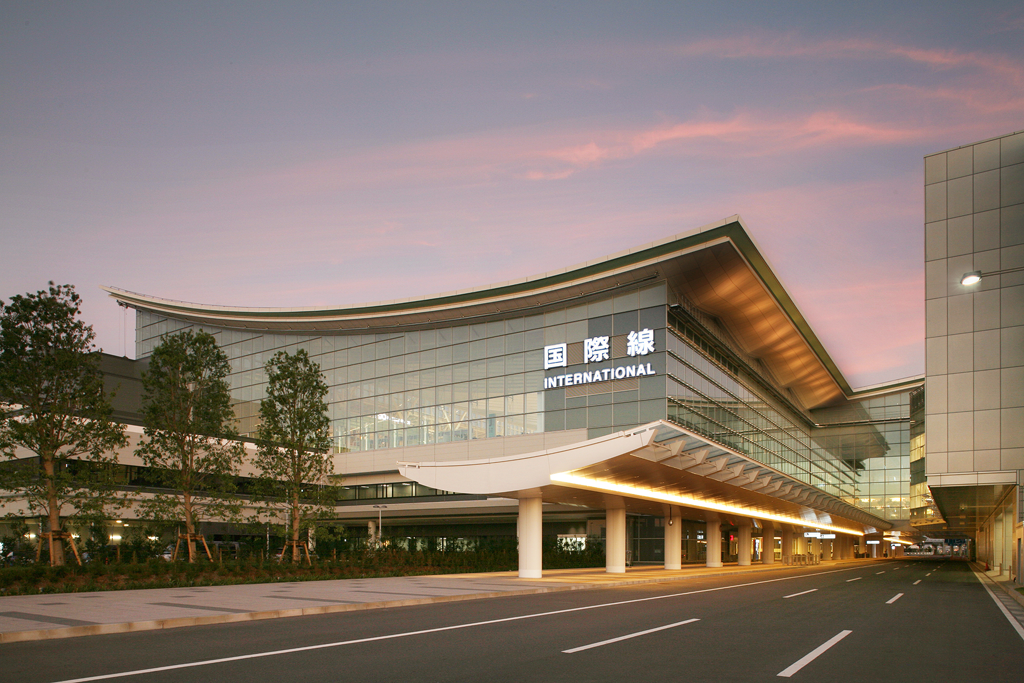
744, 633
158, 648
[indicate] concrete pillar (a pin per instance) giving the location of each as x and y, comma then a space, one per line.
713, 536
874, 550
371, 531
743, 544
767, 543
1008, 540
673, 539
615, 541
826, 549
531, 526
787, 545
997, 543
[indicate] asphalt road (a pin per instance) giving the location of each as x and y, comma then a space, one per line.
897, 621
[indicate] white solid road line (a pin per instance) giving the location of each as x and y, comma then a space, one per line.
856, 579
894, 598
796, 594
307, 648
917, 582
813, 654
628, 636
1002, 608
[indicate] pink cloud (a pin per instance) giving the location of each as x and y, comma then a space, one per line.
790, 45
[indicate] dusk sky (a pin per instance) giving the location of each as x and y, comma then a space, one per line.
326, 154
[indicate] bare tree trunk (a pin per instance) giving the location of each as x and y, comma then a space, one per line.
295, 527
190, 527
53, 510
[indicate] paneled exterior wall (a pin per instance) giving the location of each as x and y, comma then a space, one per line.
974, 220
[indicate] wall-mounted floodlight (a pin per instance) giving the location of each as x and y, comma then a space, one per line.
971, 278
974, 277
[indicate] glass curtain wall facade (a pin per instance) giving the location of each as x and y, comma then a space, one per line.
487, 380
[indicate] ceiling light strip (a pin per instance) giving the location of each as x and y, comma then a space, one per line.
687, 501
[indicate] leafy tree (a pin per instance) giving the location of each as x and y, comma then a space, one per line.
189, 432
294, 443
52, 403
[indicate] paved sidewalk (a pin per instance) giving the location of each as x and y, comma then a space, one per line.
66, 615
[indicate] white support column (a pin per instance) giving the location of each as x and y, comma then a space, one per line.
743, 544
615, 541
997, 543
826, 549
767, 543
713, 537
371, 531
874, 550
673, 539
531, 526
787, 545
1008, 553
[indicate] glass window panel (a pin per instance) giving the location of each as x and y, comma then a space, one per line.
496, 386
478, 389
495, 346
515, 362
514, 425
535, 381
443, 433
478, 369
478, 429
495, 406
460, 391
555, 334
515, 342
478, 409
428, 396
515, 384
460, 372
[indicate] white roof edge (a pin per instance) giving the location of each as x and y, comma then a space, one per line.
210, 308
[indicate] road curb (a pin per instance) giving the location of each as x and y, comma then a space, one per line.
182, 622
1008, 587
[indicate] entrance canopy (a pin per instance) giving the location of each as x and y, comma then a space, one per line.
647, 469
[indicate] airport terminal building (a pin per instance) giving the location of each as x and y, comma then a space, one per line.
670, 398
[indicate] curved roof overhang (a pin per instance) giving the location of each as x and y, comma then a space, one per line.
646, 469
717, 267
